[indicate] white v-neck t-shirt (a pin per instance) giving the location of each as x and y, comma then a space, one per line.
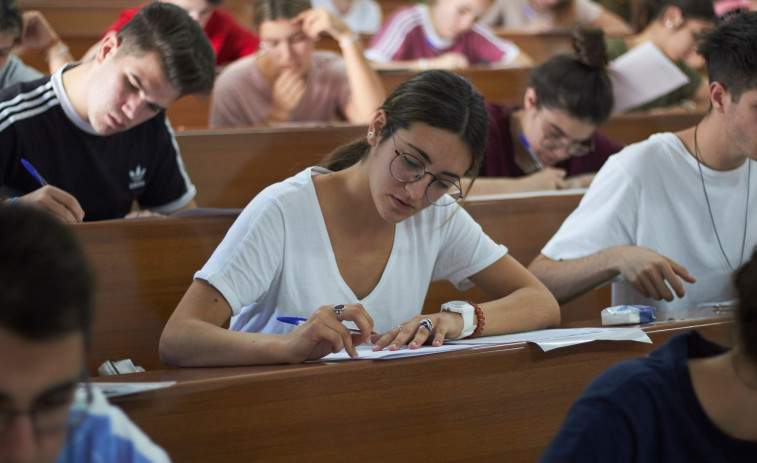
277, 260
650, 195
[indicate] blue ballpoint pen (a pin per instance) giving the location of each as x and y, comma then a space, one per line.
33, 171
292, 320
537, 162
298, 320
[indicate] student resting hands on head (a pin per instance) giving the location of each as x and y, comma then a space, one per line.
288, 81
360, 240
548, 15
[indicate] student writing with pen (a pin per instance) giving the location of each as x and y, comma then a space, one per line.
360, 240
96, 130
551, 141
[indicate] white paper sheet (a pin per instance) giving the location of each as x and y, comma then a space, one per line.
562, 337
527, 194
120, 389
365, 352
641, 75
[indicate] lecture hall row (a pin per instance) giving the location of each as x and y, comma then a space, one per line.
337, 411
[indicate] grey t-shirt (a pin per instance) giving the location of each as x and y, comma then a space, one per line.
16, 71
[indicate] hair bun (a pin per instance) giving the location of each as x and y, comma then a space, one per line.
590, 47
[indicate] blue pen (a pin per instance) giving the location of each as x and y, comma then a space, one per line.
292, 320
33, 171
298, 320
539, 165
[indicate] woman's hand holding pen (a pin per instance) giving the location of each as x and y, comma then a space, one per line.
323, 333
415, 334
549, 178
56, 201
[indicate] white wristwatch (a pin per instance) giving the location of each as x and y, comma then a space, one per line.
470, 322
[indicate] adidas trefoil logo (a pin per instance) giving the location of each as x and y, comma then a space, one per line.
137, 177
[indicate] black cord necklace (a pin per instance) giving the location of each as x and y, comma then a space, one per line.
709, 208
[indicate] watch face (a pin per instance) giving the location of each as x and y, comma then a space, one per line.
455, 305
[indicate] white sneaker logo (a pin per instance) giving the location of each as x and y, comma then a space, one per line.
137, 177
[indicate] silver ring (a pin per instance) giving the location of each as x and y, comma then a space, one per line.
426, 323
338, 310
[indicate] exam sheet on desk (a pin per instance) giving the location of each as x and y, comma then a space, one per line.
562, 337
546, 339
366, 352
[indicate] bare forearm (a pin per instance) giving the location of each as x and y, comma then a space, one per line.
612, 24
526, 309
367, 90
57, 56
195, 343
567, 279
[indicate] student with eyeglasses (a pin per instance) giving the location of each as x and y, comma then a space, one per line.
668, 220
46, 288
551, 142
360, 239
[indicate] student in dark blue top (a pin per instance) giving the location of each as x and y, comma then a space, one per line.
691, 400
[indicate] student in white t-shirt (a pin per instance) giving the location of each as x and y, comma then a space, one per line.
668, 220
363, 16
360, 240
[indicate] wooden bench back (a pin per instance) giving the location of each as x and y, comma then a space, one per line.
229, 167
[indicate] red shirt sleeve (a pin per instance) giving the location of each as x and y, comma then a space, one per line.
123, 18
230, 40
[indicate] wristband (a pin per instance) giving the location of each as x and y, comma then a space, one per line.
347, 42
481, 320
62, 50
13, 200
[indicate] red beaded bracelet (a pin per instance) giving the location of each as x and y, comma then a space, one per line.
481, 321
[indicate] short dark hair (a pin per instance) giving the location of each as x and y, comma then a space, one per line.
270, 10
185, 52
746, 315
46, 283
579, 84
730, 51
690, 9
441, 99
11, 21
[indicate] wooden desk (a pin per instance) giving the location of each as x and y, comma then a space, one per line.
496, 404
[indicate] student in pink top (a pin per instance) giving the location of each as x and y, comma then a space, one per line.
288, 81
442, 35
